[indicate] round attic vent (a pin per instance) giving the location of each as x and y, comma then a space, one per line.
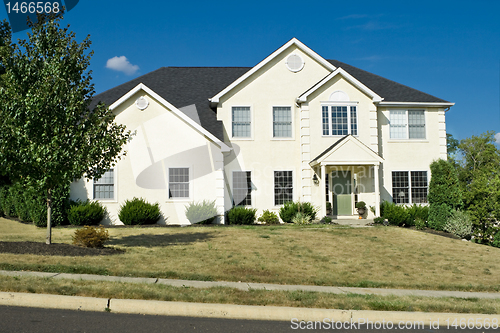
141, 103
294, 62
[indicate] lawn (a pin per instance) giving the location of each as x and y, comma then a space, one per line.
314, 255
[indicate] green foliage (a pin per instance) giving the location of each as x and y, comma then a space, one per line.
49, 132
16, 193
326, 220
90, 237
6, 202
360, 204
269, 217
459, 224
241, 215
420, 224
417, 212
438, 215
378, 220
290, 209
204, 212
138, 211
401, 215
86, 213
496, 239
301, 218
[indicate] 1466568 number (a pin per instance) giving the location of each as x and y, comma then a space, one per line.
33, 7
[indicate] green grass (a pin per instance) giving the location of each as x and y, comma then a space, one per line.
385, 257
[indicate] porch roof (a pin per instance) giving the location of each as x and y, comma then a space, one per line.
347, 150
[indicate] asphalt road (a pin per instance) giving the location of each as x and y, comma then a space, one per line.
37, 320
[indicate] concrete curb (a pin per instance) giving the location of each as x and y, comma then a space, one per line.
229, 311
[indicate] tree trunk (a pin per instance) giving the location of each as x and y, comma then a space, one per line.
48, 238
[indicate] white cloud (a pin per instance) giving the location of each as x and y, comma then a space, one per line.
121, 64
497, 138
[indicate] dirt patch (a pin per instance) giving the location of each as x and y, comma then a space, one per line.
54, 249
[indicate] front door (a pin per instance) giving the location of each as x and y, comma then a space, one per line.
342, 192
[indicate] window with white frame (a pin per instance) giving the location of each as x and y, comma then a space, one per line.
339, 119
104, 187
407, 124
242, 188
241, 122
283, 187
282, 122
178, 183
409, 187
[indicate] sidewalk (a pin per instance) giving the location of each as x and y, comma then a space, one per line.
265, 286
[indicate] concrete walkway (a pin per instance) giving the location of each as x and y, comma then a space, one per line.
265, 286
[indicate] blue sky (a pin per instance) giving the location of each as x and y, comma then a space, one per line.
450, 49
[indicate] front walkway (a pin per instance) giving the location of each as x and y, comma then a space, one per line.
356, 223
263, 286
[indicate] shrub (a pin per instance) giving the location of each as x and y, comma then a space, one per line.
204, 212
86, 213
8, 208
90, 236
360, 204
496, 239
269, 217
378, 220
417, 212
138, 211
420, 224
459, 224
396, 214
438, 215
301, 218
241, 215
290, 209
326, 220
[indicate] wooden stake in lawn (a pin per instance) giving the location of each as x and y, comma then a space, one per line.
48, 133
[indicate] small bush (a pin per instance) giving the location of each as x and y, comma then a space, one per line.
396, 214
86, 213
138, 212
326, 220
269, 217
360, 204
438, 215
241, 215
301, 218
420, 224
290, 209
459, 224
378, 220
204, 212
90, 236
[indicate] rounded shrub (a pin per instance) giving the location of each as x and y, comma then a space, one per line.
86, 213
241, 215
459, 224
204, 212
138, 211
290, 209
269, 217
90, 236
496, 239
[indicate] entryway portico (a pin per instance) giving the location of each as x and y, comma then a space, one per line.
347, 172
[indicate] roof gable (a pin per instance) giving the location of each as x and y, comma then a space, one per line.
348, 150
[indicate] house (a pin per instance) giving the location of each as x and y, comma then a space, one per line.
294, 127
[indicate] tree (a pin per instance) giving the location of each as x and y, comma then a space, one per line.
444, 193
48, 134
5, 50
451, 147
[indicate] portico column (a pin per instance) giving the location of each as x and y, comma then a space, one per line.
377, 190
322, 185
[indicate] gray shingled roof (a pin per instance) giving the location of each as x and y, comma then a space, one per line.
185, 86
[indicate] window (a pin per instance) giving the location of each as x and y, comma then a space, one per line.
242, 188
178, 182
339, 120
241, 122
407, 124
283, 187
282, 122
104, 187
403, 193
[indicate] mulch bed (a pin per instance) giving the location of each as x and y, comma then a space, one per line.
54, 249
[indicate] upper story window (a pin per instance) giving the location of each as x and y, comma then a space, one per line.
282, 122
241, 122
104, 187
407, 124
339, 119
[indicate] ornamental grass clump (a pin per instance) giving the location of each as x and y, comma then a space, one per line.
459, 224
203, 212
138, 212
301, 218
89, 236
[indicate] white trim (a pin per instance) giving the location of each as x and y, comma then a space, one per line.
416, 104
293, 41
290, 138
191, 187
301, 65
252, 122
375, 98
177, 112
376, 158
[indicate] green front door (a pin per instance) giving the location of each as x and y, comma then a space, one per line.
341, 191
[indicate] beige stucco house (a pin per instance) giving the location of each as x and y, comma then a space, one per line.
294, 127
